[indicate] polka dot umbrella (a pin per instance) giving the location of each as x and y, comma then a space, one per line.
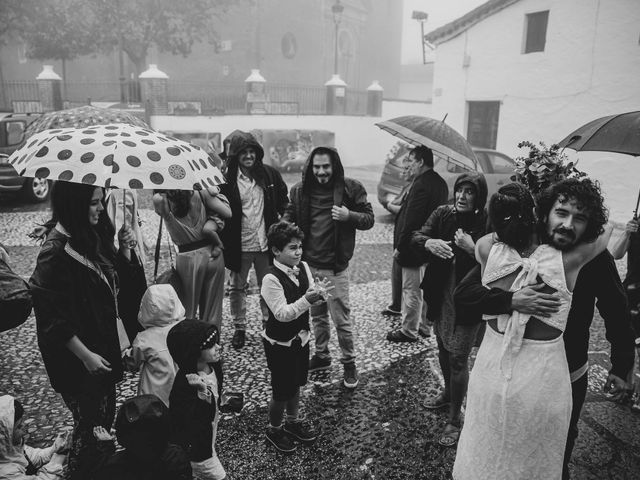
116, 155
85, 116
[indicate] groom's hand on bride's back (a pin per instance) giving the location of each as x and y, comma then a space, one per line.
533, 301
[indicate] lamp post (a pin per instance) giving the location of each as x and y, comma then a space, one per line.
122, 79
422, 18
336, 9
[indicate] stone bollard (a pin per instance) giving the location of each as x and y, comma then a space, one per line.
256, 96
49, 89
336, 95
154, 90
374, 99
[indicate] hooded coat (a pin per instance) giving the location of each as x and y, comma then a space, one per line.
15, 459
346, 192
443, 224
272, 184
160, 310
142, 428
191, 417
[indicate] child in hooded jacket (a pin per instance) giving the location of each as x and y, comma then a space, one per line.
160, 310
195, 396
19, 461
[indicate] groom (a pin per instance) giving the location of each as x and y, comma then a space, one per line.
569, 212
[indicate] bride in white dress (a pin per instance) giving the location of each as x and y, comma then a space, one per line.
519, 398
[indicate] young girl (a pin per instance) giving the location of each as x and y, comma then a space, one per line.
160, 310
195, 396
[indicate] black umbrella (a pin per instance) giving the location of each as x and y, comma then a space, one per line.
615, 133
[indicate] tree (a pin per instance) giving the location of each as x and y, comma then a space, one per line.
59, 30
173, 26
13, 16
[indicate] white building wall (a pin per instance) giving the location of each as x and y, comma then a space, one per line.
590, 68
358, 140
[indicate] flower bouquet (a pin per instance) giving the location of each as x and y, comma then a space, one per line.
543, 166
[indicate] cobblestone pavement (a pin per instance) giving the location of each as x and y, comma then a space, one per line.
377, 431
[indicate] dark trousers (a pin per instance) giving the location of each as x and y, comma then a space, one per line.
578, 393
396, 286
89, 409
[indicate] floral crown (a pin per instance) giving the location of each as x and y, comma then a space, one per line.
543, 167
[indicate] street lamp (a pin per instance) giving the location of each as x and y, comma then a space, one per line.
336, 9
122, 79
422, 18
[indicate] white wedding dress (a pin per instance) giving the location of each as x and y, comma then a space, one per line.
519, 397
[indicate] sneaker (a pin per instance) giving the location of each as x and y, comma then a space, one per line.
239, 337
280, 439
350, 375
317, 364
301, 431
391, 311
399, 336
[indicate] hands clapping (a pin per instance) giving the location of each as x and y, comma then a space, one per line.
319, 291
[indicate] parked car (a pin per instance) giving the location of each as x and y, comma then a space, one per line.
496, 167
12, 128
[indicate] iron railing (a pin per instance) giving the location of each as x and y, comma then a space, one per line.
18, 91
187, 98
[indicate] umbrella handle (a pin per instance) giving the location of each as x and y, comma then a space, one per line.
635, 212
124, 207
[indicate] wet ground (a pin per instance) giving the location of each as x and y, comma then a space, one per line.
377, 431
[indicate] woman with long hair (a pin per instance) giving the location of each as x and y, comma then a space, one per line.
79, 285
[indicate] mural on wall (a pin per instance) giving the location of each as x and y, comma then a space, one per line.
288, 150
210, 142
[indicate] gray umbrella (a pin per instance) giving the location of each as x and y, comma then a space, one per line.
431, 133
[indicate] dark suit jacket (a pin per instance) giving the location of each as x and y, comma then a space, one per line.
427, 192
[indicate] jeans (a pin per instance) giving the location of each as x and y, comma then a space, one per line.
338, 306
578, 393
238, 289
413, 308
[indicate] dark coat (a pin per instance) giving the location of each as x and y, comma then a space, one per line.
191, 417
427, 192
598, 282
272, 184
142, 428
346, 192
71, 299
443, 224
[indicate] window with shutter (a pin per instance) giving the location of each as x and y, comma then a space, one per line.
536, 31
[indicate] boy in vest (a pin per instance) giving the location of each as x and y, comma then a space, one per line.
288, 292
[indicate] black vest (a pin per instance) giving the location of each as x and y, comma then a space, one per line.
285, 331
